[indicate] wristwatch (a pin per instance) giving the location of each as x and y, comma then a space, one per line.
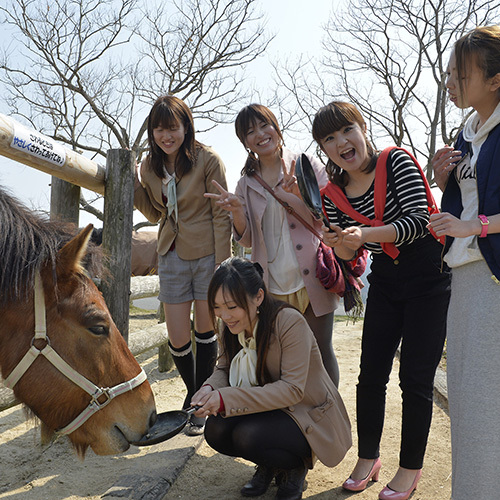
484, 225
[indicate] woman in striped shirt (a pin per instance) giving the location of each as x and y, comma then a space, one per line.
408, 295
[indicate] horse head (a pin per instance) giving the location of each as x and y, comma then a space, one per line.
80, 330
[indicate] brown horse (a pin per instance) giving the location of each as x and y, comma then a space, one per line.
63, 375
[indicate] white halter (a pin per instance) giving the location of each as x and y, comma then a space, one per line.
52, 356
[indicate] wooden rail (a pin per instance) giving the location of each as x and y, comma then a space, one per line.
142, 287
38, 151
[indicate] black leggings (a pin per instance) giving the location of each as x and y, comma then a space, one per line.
271, 438
408, 301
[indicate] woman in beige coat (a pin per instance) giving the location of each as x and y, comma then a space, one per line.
270, 397
194, 234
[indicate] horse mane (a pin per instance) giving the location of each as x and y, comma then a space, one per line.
29, 240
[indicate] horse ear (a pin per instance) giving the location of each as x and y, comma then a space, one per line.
69, 258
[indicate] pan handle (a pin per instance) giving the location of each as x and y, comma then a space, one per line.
192, 409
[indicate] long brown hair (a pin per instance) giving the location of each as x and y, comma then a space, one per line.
241, 280
483, 45
331, 118
169, 111
246, 119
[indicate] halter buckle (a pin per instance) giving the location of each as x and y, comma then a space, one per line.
102, 391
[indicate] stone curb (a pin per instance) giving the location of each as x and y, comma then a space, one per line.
154, 484
441, 389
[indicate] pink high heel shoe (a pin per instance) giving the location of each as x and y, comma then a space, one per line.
389, 494
361, 484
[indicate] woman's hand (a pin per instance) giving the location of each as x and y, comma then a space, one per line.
208, 400
445, 224
226, 200
289, 180
353, 237
332, 236
443, 163
137, 182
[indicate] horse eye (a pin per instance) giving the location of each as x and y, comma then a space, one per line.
99, 330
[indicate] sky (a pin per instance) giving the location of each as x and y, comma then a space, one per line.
297, 29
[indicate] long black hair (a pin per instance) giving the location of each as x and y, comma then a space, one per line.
241, 280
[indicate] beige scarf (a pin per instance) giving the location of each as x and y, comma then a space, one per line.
242, 372
169, 189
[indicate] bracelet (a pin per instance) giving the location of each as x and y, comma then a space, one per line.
484, 225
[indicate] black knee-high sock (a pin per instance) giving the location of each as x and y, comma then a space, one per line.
184, 362
206, 355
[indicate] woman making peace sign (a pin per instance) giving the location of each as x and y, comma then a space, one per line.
280, 243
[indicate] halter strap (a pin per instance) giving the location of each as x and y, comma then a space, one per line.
51, 355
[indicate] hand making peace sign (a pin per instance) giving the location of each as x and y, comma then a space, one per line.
226, 200
289, 180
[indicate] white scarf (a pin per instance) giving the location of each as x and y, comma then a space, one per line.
169, 190
242, 372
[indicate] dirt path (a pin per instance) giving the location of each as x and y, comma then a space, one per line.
28, 472
211, 476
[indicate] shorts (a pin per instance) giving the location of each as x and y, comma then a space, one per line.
184, 280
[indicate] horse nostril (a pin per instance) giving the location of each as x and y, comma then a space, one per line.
152, 418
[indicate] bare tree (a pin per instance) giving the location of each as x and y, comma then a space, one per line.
389, 58
91, 69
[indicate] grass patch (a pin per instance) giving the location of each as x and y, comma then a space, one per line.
138, 310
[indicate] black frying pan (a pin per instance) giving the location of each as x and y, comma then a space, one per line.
167, 425
308, 187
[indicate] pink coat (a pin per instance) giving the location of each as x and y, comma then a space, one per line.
253, 197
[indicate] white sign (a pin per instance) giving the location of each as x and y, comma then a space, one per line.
38, 145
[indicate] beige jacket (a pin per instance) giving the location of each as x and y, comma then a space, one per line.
203, 228
300, 387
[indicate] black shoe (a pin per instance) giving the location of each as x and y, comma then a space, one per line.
259, 483
291, 484
280, 478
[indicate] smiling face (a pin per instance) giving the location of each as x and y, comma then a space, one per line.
347, 147
259, 131
235, 317
169, 139
262, 138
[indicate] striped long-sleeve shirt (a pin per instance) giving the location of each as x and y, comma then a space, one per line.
406, 209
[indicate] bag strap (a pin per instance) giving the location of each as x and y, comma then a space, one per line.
339, 198
286, 206
431, 202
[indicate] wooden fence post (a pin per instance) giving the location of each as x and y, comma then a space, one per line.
117, 233
64, 201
